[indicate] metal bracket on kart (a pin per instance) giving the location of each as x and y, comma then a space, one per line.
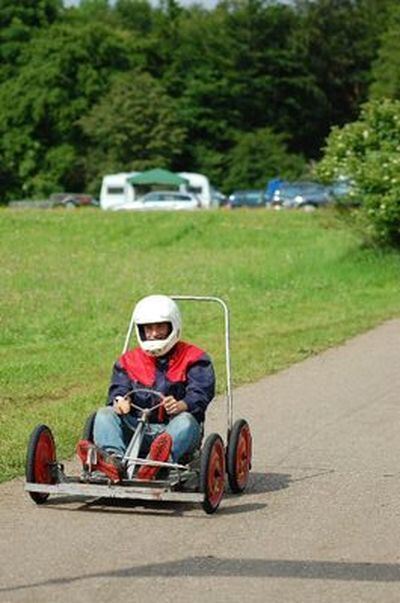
202, 480
132, 461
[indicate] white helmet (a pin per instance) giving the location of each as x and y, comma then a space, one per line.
157, 308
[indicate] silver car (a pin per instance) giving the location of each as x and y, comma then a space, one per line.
162, 200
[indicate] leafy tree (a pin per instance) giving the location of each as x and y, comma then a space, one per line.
239, 84
133, 127
272, 87
135, 15
259, 156
199, 72
386, 70
234, 70
19, 22
64, 72
367, 151
342, 37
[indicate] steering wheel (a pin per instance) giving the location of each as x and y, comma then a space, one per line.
146, 390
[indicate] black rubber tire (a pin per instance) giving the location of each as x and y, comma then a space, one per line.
87, 433
212, 472
238, 459
40, 454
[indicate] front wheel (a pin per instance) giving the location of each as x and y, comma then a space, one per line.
40, 461
212, 472
308, 207
239, 455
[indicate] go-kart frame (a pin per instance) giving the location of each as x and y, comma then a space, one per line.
200, 480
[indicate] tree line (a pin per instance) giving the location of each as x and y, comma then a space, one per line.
243, 92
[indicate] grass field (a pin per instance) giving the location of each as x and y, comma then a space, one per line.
296, 284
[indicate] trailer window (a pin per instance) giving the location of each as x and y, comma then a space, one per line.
195, 189
115, 190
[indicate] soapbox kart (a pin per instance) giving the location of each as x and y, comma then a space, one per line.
199, 479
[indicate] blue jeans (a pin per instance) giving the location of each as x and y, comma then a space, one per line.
113, 432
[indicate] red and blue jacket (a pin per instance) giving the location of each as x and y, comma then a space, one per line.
186, 373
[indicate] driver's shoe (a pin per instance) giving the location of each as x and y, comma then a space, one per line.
160, 450
97, 459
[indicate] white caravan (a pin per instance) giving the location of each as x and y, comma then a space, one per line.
199, 185
116, 190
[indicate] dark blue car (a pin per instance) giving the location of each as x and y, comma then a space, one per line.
247, 198
307, 196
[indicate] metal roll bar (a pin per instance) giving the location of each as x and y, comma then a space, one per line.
219, 301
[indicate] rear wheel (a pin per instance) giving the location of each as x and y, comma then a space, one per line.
212, 472
40, 461
239, 456
69, 203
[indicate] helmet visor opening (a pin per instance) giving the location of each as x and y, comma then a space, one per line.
155, 331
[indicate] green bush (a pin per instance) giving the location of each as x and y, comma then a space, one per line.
368, 152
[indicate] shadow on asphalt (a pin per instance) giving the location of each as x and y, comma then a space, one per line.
204, 567
268, 482
148, 507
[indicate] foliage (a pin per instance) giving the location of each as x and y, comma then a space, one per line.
65, 70
259, 156
341, 39
273, 87
368, 151
137, 16
238, 70
386, 69
19, 22
133, 127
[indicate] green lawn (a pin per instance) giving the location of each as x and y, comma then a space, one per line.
296, 284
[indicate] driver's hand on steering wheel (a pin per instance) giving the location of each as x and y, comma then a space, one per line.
174, 407
121, 405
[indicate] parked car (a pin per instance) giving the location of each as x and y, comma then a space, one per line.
72, 200
218, 199
67, 200
29, 204
247, 198
307, 196
162, 200
344, 193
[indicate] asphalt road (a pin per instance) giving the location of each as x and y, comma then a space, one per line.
320, 521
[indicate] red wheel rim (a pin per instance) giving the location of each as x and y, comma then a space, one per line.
44, 456
243, 456
216, 474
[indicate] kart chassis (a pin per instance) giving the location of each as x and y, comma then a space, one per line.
200, 480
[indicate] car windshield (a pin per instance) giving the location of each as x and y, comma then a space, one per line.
247, 197
253, 198
292, 190
160, 197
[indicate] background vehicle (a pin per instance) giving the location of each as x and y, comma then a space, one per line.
66, 200
218, 198
307, 196
201, 479
116, 190
72, 200
344, 193
162, 200
199, 185
247, 198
